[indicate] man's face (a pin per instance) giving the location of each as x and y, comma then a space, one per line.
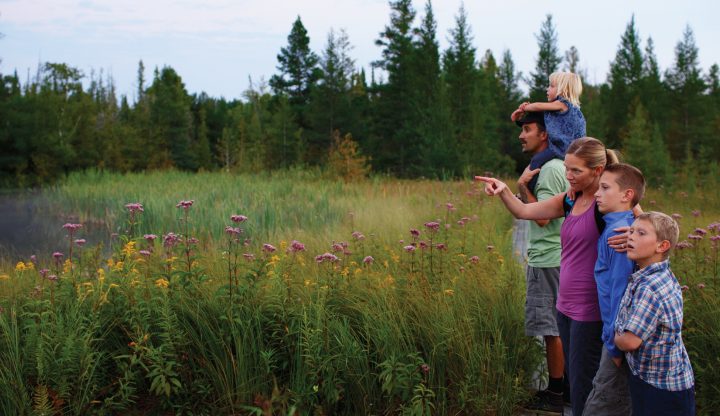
533, 141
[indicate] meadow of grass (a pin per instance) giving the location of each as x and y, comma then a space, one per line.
381, 297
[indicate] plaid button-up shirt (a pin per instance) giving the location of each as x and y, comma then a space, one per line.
652, 309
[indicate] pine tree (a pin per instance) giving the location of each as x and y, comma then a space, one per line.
572, 59
508, 100
299, 72
652, 92
393, 142
330, 102
685, 82
462, 77
645, 149
547, 62
624, 79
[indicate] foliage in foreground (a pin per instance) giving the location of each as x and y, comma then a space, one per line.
431, 325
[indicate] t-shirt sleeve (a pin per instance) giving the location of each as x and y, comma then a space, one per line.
644, 313
551, 181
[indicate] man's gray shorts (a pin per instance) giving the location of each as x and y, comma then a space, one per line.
610, 395
540, 312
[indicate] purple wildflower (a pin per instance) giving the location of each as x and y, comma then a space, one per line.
249, 256
268, 248
150, 237
80, 242
296, 246
423, 245
329, 257
52, 278
490, 247
368, 260
170, 240
145, 253
192, 240
44, 273
683, 245
696, 213
357, 235
676, 216
409, 248
433, 226
58, 255
440, 246
700, 231
33, 258
134, 207
701, 286
233, 231
238, 218
450, 206
415, 233
475, 259
684, 287
185, 204
695, 237
72, 227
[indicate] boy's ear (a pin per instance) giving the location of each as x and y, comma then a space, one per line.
663, 246
628, 195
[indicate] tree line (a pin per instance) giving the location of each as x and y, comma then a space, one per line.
420, 112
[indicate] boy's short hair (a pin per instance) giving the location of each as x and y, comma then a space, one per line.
665, 227
628, 177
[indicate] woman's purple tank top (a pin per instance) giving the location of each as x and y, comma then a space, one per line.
577, 295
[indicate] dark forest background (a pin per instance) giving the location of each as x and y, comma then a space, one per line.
419, 112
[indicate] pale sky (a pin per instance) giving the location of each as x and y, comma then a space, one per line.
216, 45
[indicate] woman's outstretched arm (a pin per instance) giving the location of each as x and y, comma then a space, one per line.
544, 210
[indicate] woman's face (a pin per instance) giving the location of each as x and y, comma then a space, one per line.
580, 176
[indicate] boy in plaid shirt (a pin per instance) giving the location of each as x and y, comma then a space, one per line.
649, 323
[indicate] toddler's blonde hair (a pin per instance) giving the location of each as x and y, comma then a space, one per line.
569, 86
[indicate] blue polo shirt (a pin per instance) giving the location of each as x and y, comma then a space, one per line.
612, 270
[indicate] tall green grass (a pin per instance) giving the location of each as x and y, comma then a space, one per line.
175, 332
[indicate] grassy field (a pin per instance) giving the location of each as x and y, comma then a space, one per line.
322, 302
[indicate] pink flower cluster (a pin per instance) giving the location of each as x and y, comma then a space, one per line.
170, 240
71, 228
268, 248
134, 207
295, 247
238, 218
329, 257
233, 231
185, 204
433, 226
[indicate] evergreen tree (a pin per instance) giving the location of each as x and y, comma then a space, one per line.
299, 72
547, 62
572, 58
685, 82
508, 100
652, 92
644, 148
624, 79
331, 106
461, 77
171, 121
394, 143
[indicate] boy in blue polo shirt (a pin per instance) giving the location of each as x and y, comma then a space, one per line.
649, 323
620, 189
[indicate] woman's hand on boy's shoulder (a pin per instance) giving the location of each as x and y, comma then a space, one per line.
618, 242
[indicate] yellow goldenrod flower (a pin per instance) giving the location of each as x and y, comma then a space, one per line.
110, 262
307, 282
162, 282
29, 265
283, 246
20, 267
358, 271
118, 266
170, 260
112, 285
67, 266
449, 292
271, 273
129, 248
345, 271
385, 263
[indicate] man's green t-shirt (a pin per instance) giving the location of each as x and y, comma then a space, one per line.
544, 242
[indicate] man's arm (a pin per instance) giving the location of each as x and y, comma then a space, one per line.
526, 194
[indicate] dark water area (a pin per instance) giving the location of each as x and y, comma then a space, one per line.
30, 226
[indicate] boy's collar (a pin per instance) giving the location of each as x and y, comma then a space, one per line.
612, 216
651, 269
